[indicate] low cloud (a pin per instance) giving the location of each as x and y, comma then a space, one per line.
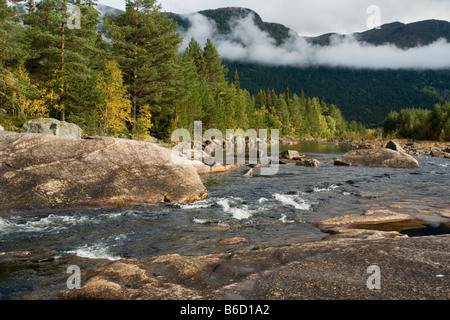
247, 43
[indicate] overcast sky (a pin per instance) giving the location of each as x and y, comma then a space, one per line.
316, 17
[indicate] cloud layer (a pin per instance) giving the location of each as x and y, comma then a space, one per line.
247, 43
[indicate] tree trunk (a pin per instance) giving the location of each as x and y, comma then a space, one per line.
135, 75
63, 84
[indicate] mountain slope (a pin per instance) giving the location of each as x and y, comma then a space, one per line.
411, 35
223, 16
399, 34
402, 35
363, 95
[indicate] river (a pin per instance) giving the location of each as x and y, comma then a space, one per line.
265, 210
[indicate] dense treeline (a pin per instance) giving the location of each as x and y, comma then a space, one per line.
419, 124
364, 95
128, 79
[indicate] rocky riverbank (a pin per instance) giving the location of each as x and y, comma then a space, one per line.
44, 171
411, 268
413, 148
333, 268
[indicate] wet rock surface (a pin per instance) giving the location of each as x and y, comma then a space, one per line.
411, 268
382, 223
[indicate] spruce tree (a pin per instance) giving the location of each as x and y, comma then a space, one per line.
215, 70
190, 106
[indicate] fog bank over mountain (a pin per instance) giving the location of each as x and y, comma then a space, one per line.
244, 41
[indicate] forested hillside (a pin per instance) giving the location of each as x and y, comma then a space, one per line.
365, 95
129, 79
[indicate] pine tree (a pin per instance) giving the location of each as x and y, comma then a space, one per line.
63, 59
146, 48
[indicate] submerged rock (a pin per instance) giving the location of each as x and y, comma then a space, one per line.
230, 241
44, 171
53, 127
249, 174
377, 158
308, 162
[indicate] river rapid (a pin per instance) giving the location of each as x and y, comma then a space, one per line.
264, 210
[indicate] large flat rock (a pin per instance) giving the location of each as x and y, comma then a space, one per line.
411, 268
43, 171
384, 157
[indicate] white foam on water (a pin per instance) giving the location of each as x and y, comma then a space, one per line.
330, 188
121, 236
5, 225
49, 223
201, 221
201, 204
223, 224
96, 251
293, 200
115, 215
233, 206
284, 219
262, 200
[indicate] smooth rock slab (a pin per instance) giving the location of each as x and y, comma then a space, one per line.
386, 158
411, 268
44, 171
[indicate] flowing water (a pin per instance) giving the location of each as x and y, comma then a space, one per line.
265, 210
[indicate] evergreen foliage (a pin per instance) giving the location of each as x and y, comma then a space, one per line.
419, 124
129, 80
